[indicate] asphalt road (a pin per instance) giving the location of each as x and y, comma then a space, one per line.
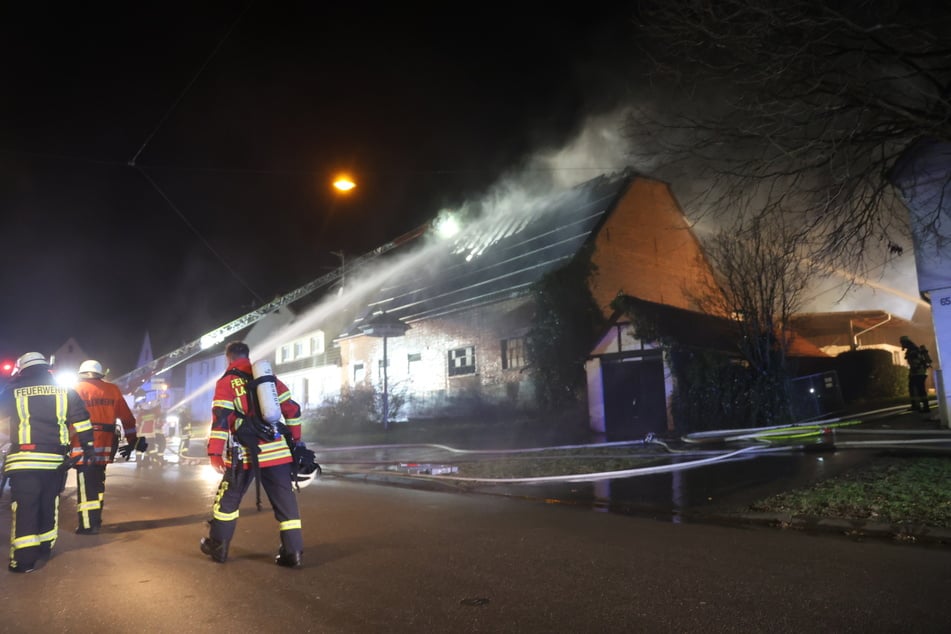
394, 559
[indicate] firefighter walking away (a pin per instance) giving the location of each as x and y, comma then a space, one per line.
39, 416
106, 405
247, 442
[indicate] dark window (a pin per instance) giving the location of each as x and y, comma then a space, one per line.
462, 361
411, 358
513, 353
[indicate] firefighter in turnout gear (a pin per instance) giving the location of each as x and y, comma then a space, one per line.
243, 446
105, 404
39, 416
149, 417
919, 361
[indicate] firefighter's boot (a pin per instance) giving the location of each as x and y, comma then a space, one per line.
215, 549
288, 559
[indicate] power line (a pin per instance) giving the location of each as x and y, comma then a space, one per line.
189, 85
200, 236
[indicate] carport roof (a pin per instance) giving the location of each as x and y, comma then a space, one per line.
696, 329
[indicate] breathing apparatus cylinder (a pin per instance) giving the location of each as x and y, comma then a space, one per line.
270, 407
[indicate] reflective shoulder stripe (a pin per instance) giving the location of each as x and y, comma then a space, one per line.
61, 407
23, 412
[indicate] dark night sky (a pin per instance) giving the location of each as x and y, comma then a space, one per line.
426, 108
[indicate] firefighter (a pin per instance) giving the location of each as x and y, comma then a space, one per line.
258, 449
40, 415
149, 420
919, 361
105, 404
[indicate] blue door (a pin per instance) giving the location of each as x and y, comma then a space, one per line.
634, 400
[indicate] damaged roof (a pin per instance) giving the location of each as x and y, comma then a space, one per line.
500, 255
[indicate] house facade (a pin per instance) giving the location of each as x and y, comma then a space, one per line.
464, 352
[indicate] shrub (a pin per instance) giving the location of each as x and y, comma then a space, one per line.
867, 375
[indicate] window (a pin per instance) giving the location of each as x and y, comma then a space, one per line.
462, 361
298, 349
317, 343
359, 374
513, 353
285, 354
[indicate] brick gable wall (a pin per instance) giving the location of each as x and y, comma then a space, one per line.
646, 249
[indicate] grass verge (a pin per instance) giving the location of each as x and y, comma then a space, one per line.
892, 489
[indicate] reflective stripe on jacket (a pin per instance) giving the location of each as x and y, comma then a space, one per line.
231, 406
106, 405
41, 416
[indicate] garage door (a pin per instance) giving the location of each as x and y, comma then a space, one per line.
634, 400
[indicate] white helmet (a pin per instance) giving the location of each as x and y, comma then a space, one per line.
305, 467
303, 479
91, 366
28, 360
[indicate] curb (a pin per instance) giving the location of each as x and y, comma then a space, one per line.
854, 528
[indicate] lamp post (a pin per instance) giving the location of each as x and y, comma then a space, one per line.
385, 326
343, 268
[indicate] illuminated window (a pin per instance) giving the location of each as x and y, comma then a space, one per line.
513, 353
462, 361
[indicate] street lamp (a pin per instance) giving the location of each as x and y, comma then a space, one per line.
385, 326
344, 183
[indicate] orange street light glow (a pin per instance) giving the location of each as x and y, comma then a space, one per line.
344, 184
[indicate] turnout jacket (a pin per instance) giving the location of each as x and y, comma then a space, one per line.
105, 404
40, 416
231, 407
918, 360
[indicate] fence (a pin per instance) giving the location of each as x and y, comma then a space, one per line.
816, 396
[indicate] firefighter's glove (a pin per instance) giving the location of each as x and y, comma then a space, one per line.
89, 454
125, 451
217, 462
141, 445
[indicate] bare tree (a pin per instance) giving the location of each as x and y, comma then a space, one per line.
762, 278
799, 105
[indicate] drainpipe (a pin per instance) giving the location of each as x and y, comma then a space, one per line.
855, 337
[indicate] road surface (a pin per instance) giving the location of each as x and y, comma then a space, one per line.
395, 559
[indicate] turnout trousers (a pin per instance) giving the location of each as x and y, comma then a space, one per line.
33, 530
90, 493
917, 392
276, 482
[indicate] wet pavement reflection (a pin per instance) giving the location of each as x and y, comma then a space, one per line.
722, 487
